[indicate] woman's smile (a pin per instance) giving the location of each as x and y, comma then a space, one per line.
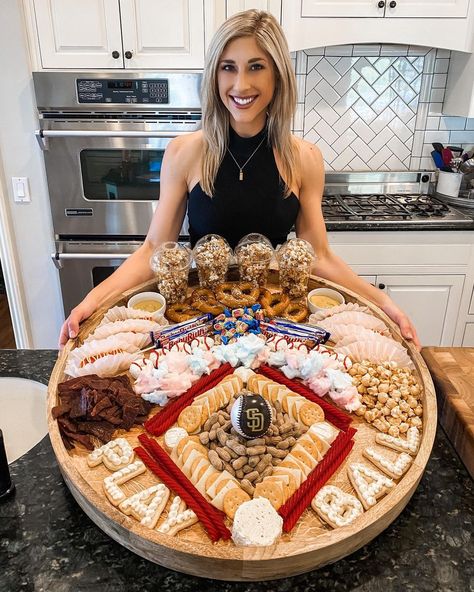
243, 102
246, 82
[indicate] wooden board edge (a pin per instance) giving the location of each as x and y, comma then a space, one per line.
399, 497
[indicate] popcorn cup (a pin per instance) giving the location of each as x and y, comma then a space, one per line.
295, 258
170, 262
254, 253
212, 255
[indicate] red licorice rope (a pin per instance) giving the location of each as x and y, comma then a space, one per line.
162, 420
337, 417
192, 496
300, 500
213, 533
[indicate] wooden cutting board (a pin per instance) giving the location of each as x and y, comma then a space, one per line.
452, 370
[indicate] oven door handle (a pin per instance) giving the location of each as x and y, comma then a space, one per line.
58, 258
43, 135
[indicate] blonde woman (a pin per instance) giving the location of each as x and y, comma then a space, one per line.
243, 171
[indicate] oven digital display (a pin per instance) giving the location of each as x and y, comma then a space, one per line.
122, 84
144, 91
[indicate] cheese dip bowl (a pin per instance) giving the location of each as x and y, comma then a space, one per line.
151, 302
323, 298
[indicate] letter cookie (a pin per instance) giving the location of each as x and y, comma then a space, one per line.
178, 518
394, 469
111, 483
147, 505
336, 507
368, 483
115, 455
409, 445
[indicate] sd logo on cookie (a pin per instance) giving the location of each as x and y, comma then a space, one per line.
251, 415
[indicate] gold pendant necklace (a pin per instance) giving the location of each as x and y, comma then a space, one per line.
241, 168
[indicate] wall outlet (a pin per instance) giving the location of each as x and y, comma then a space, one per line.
21, 189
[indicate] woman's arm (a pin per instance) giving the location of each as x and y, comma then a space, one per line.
310, 226
165, 225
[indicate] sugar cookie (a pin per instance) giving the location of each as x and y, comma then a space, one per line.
111, 483
336, 507
147, 505
115, 455
178, 518
394, 469
409, 445
368, 483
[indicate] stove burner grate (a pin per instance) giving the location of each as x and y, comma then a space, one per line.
382, 207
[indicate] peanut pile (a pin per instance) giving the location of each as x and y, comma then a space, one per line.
249, 461
391, 396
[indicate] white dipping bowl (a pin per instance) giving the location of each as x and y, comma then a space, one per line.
337, 296
158, 298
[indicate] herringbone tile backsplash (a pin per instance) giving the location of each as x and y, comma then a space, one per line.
376, 107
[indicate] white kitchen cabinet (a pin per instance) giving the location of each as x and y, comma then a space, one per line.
459, 96
429, 274
431, 301
144, 34
273, 6
163, 33
431, 23
427, 8
468, 337
82, 34
342, 8
385, 8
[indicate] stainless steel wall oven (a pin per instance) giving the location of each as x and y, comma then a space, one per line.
104, 136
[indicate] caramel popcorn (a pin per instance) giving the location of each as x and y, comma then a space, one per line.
170, 262
391, 396
294, 260
212, 254
253, 260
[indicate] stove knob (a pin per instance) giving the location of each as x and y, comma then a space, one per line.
425, 178
382, 286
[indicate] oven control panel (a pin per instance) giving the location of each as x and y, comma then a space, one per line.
122, 90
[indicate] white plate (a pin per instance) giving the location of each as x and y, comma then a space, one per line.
23, 415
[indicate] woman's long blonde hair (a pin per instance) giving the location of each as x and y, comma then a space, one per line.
269, 36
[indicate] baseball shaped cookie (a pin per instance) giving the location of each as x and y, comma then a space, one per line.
251, 415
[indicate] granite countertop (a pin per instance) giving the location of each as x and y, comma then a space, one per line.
48, 544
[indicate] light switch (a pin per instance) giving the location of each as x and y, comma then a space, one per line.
21, 189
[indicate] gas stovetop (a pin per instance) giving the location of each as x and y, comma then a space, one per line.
387, 200
386, 208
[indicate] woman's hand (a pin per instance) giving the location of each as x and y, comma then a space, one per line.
70, 327
407, 329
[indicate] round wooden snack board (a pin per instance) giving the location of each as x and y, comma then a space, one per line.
310, 544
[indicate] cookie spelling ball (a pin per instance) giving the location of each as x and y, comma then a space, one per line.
251, 415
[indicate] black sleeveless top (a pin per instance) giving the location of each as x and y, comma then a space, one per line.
255, 204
